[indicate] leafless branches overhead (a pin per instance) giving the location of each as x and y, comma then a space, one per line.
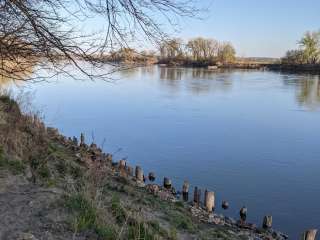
54, 33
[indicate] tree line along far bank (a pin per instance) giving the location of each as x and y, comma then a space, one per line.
195, 52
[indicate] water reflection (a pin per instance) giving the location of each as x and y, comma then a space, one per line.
195, 80
307, 89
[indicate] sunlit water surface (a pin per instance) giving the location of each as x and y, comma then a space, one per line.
250, 136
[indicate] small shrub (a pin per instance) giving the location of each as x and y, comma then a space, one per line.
105, 232
180, 221
75, 171
61, 167
117, 210
173, 234
179, 204
157, 229
14, 166
44, 172
84, 210
140, 230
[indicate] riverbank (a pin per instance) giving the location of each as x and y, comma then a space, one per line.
295, 68
73, 190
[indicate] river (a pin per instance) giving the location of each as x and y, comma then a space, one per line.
250, 136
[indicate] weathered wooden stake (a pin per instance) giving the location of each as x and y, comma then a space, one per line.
152, 176
209, 201
129, 171
167, 183
139, 174
243, 214
82, 139
225, 205
205, 197
197, 196
267, 222
122, 164
185, 191
309, 234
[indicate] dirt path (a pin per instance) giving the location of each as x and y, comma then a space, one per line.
30, 212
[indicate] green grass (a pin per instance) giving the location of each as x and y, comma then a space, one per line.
117, 210
86, 217
181, 221
105, 232
14, 166
85, 212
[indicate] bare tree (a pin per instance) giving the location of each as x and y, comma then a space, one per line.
49, 34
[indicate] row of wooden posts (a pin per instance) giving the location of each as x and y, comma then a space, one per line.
209, 196
209, 200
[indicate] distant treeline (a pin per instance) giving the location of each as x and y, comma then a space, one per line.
196, 52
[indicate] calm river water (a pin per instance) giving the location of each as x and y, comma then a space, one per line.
250, 136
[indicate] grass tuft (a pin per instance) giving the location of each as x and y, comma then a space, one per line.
117, 210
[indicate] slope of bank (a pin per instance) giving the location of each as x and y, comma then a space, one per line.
54, 187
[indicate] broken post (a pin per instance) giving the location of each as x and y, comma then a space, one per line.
309, 234
225, 205
152, 176
167, 183
209, 201
139, 174
197, 196
122, 164
243, 214
205, 197
185, 191
82, 139
129, 171
267, 222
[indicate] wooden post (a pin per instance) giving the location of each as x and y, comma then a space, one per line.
225, 205
205, 197
267, 222
82, 139
243, 214
122, 164
197, 196
309, 234
139, 174
129, 171
167, 183
209, 201
152, 176
185, 191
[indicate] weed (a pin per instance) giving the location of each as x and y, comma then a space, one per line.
106, 232
86, 213
44, 172
181, 221
117, 210
173, 234
14, 166
75, 171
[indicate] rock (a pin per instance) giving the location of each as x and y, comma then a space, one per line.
153, 188
26, 236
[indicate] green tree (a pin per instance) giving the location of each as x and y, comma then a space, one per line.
310, 44
226, 53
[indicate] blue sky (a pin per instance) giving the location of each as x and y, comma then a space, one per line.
256, 27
